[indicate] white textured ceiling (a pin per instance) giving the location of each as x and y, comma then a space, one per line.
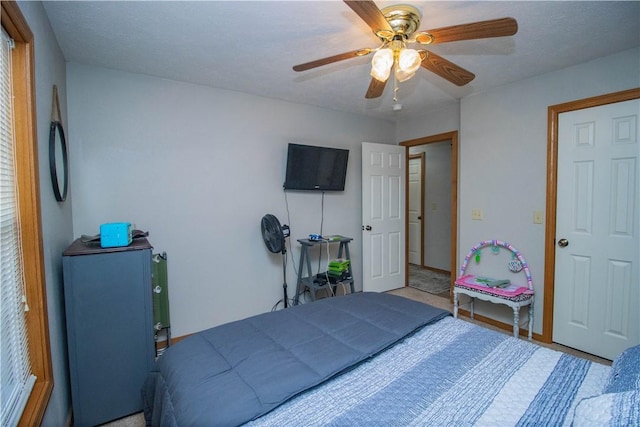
250, 46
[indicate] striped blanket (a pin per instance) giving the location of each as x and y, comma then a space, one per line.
451, 373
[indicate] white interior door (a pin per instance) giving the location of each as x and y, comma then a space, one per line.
415, 205
383, 217
597, 285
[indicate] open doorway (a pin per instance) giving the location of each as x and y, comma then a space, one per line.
431, 222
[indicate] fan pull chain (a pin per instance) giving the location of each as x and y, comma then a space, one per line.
395, 89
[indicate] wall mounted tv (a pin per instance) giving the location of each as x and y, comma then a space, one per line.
316, 168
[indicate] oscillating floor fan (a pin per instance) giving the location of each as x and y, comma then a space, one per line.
274, 236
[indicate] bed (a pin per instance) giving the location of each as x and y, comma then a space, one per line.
375, 359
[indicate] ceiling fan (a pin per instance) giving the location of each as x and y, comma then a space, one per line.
397, 26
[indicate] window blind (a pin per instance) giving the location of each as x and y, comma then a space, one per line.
15, 370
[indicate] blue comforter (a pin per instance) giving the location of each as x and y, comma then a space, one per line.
239, 371
455, 373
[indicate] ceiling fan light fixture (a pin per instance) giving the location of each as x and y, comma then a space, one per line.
381, 64
409, 60
402, 76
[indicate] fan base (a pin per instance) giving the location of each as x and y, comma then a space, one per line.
404, 19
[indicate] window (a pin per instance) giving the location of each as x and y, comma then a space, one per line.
21, 226
17, 379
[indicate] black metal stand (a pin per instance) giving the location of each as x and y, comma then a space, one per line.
284, 275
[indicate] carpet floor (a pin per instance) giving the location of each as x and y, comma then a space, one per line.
429, 281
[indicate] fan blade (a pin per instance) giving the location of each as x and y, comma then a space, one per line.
370, 14
331, 59
447, 69
376, 87
476, 30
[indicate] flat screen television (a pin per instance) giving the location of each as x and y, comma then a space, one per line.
316, 168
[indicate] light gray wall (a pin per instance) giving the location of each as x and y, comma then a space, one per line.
56, 217
503, 149
502, 163
438, 234
198, 167
444, 119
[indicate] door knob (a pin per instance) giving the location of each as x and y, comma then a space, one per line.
368, 227
563, 243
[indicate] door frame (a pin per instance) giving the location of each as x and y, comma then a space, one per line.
420, 157
553, 116
453, 138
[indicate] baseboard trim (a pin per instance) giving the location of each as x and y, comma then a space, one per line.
435, 270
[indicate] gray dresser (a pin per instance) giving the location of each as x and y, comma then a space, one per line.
109, 315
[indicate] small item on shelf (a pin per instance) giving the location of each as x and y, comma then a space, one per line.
338, 270
500, 283
494, 286
493, 283
339, 264
115, 234
320, 279
338, 277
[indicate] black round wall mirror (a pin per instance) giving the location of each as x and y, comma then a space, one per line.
58, 165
